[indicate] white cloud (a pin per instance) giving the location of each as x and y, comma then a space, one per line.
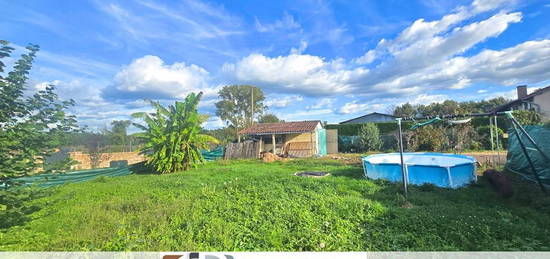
284, 101
150, 77
486, 5
322, 103
295, 73
303, 115
353, 107
287, 22
413, 65
385, 105
213, 122
85, 93
302, 48
425, 56
367, 58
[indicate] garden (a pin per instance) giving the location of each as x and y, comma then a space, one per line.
247, 205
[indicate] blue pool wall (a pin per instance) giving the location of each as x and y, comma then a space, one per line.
461, 174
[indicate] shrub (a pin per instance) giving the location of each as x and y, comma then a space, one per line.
172, 137
428, 138
484, 135
525, 117
389, 142
369, 136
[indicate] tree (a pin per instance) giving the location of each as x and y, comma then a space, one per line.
173, 141
268, 118
224, 135
405, 110
236, 104
30, 127
369, 137
448, 107
428, 138
527, 117
95, 145
119, 133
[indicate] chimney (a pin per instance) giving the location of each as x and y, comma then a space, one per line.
522, 91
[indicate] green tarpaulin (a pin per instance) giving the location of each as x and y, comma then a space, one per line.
418, 125
516, 160
214, 154
48, 180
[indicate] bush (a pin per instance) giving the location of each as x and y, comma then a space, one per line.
389, 143
353, 129
428, 138
14, 206
484, 135
525, 117
369, 136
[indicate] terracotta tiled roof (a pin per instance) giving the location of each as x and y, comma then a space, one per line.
280, 128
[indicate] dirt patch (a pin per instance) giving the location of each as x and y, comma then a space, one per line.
346, 159
270, 157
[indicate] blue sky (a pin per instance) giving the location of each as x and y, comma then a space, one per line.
326, 60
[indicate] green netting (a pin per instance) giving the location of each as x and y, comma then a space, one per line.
516, 161
48, 180
214, 154
418, 125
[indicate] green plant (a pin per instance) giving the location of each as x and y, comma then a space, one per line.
248, 205
527, 117
236, 104
173, 141
30, 126
484, 134
62, 165
268, 118
427, 187
14, 206
428, 138
119, 133
369, 136
389, 142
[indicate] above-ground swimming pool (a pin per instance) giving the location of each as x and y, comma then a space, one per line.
443, 170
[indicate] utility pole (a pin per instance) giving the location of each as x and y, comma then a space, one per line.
251, 105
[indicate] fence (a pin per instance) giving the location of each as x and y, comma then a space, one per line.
247, 149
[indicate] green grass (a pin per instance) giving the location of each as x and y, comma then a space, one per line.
253, 206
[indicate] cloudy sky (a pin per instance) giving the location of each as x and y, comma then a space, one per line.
327, 60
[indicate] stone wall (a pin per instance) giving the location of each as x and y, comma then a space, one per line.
104, 159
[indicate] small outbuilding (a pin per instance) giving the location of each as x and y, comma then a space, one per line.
291, 139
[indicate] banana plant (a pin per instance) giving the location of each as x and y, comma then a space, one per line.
173, 141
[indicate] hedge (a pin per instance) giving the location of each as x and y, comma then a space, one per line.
391, 127
353, 129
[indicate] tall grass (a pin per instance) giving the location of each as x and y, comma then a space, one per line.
252, 206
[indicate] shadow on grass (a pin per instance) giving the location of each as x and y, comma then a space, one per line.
141, 168
351, 172
472, 218
16, 206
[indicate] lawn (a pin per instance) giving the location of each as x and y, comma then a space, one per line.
254, 206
